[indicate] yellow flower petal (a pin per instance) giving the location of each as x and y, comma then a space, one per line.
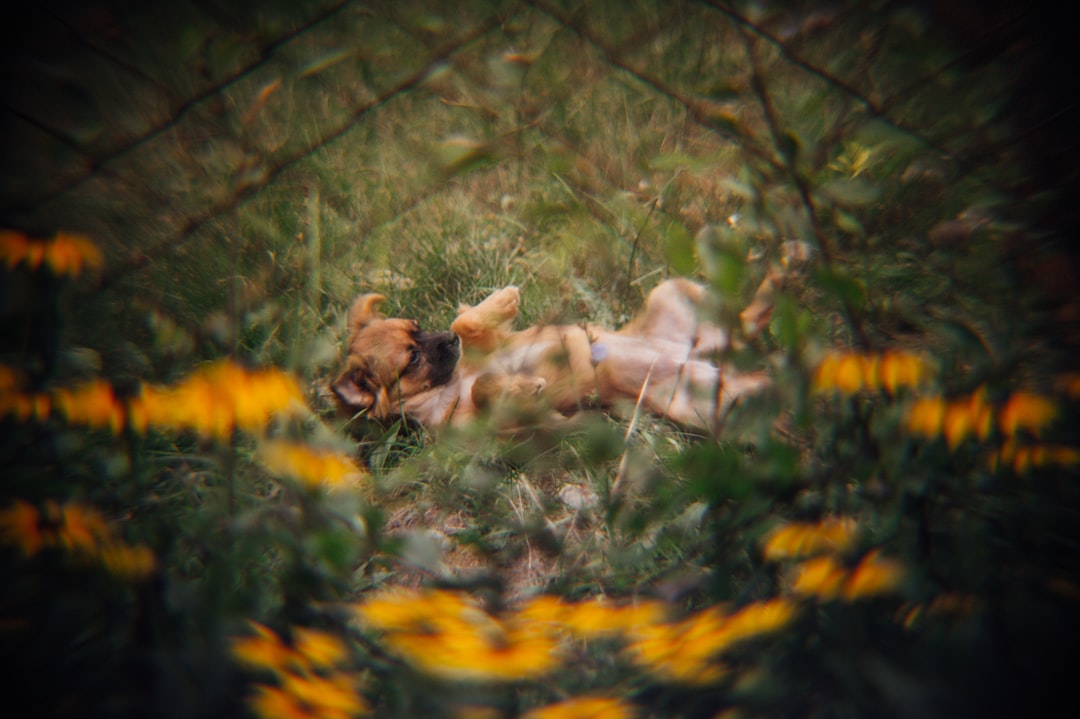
14, 247
853, 373
81, 529
127, 561
313, 467
825, 374
926, 416
957, 424
820, 577
21, 525
897, 370
324, 695
584, 708
802, 539
1026, 411
273, 703
263, 650
759, 618
320, 649
874, 575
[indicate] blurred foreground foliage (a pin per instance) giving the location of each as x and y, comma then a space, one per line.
188, 529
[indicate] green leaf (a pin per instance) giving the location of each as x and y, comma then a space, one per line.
841, 286
721, 254
679, 248
458, 155
789, 323
847, 222
850, 192
714, 473
739, 188
337, 548
672, 161
789, 146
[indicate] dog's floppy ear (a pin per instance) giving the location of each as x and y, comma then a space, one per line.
357, 387
363, 311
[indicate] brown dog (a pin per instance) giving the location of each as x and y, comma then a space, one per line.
662, 361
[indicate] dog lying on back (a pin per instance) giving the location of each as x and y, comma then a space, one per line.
662, 361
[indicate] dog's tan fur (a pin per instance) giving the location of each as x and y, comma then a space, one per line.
664, 360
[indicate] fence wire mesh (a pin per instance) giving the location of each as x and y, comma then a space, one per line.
173, 133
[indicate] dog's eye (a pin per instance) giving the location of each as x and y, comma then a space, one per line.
414, 358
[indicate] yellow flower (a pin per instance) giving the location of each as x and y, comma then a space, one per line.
803, 539
21, 405
64, 254
216, 399
682, 652
826, 578
302, 691
69, 254
478, 652
449, 636
596, 618
127, 561
92, 404
332, 696
584, 708
957, 424
273, 703
854, 372
13, 247
686, 652
851, 372
11, 379
873, 575
400, 610
320, 650
957, 420
1026, 411
820, 577
901, 369
138, 412
21, 525
1023, 457
926, 416
264, 650
80, 529
759, 618
544, 610
25, 406
311, 466
825, 374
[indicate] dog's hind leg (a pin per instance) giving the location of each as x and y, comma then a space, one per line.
485, 326
678, 310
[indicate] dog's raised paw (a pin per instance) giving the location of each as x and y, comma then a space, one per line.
502, 304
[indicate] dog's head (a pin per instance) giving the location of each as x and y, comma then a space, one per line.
390, 360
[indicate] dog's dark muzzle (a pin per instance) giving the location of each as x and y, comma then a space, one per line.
442, 349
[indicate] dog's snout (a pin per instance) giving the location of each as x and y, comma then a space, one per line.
449, 344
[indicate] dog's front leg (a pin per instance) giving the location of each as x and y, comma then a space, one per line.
493, 387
